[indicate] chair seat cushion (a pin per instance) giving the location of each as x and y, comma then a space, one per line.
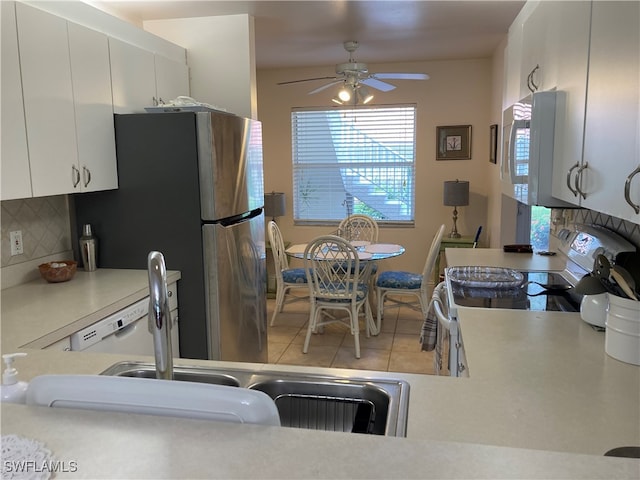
399, 280
294, 275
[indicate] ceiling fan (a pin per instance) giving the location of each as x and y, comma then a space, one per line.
355, 77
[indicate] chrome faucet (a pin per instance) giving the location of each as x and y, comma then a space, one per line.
160, 316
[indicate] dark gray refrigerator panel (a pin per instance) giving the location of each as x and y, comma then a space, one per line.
158, 207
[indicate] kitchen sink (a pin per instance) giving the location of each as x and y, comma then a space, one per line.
183, 375
318, 402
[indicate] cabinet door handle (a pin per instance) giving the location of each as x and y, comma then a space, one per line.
531, 85
575, 192
627, 190
576, 182
535, 87
75, 176
86, 174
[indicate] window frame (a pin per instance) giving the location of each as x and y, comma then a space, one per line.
409, 223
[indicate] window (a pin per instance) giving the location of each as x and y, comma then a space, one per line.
540, 227
353, 160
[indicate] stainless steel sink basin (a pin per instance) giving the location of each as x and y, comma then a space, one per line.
318, 402
183, 375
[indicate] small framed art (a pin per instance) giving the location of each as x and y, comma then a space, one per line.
453, 142
493, 143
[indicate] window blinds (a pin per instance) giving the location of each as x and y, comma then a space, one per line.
353, 160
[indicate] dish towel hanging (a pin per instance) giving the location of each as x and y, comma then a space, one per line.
429, 332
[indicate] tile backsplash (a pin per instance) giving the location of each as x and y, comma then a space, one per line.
563, 218
45, 227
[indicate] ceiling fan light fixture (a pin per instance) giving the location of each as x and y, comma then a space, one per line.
365, 95
344, 94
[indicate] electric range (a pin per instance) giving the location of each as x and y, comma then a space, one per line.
530, 296
578, 249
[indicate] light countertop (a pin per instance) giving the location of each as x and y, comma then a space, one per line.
37, 314
540, 382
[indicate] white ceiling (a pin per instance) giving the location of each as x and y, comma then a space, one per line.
311, 33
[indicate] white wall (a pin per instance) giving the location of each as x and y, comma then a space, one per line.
458, 93
501, 212
221, 58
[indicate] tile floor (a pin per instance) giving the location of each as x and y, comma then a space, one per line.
396, 349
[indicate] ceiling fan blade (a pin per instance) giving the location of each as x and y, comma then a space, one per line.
305, 80
319, 89
377, 84
402, 76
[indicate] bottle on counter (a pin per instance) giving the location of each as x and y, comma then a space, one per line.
88, 248
13, 391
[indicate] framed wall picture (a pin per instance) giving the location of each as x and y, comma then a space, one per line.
493, 143
453, 142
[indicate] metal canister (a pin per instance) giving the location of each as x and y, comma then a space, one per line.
88, 249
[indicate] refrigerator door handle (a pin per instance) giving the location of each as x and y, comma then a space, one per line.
243, 217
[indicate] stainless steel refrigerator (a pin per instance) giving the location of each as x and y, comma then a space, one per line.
191, 187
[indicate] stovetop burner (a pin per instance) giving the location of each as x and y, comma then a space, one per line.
531, 297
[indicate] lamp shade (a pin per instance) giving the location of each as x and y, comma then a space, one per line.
456, 193
274, 204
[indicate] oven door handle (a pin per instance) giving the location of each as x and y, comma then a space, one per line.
439, 308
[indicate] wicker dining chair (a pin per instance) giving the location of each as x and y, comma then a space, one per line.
291, 283
359, 227
400, 283
333, 273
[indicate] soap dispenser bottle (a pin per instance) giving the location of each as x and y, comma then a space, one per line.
13, 391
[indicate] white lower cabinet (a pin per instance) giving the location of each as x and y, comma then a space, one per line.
16, 177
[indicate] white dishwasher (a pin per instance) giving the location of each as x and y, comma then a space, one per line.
127, 331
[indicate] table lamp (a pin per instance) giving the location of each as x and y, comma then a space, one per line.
456, 194
274, 205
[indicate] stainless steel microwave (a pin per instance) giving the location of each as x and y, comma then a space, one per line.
526, 165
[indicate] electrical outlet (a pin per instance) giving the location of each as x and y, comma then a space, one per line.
17, 248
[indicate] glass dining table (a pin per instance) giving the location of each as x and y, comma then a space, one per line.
368, 253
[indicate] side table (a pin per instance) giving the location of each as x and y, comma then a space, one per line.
448, 242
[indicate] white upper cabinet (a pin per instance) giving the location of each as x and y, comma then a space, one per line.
555, 45
91, 77
612, 127
172, 79
48, 101
569, 25
61, 84
16, 177
133, 77
533, 57
142, 79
